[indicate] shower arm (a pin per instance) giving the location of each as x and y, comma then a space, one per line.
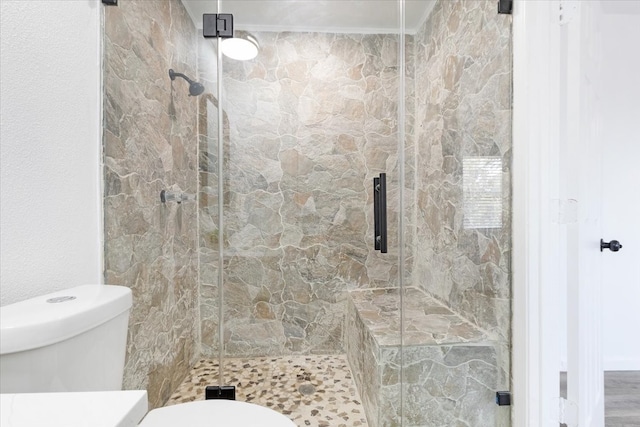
173, 75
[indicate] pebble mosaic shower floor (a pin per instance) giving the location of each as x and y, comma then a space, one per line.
316, 391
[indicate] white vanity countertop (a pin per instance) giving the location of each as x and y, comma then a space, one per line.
85, 409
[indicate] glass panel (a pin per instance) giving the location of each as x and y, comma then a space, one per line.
280, 242
308, 302
150, 146
457, 239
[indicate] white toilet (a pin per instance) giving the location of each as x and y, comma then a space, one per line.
75, 340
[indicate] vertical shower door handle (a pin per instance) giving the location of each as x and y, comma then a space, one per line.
380, 212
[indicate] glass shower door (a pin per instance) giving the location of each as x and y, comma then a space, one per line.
457, 289
310, 310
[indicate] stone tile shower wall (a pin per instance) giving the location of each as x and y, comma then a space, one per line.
463, 110
409, 226
208, 251
311, 121
149, 145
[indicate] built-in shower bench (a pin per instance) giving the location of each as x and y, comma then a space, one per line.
450, 366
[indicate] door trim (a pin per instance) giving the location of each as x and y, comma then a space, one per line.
535, 343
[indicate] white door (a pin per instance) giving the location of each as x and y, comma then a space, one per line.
621, 179
582, 179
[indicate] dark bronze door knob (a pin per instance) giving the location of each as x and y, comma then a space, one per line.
613, 246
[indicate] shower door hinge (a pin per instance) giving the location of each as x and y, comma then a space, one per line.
217, 25
110, 2
225, 392
505, 7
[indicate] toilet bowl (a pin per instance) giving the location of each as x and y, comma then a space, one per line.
206, 413
75, 341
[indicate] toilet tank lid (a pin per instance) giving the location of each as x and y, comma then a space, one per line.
58, 316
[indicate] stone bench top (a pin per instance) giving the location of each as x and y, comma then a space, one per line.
427, 321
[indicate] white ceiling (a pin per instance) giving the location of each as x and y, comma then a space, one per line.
336, 16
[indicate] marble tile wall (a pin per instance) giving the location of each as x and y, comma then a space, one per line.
463, 109
150, 145
311, 121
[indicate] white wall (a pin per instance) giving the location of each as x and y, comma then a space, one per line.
50, 174
621, 198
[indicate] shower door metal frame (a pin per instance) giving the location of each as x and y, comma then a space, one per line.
220, 216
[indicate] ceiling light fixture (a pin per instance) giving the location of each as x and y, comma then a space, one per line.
243, 47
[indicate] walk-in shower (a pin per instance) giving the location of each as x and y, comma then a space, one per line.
281, 152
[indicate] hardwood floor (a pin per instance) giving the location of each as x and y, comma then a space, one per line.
622, 398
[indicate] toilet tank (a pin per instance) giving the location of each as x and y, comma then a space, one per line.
71, 340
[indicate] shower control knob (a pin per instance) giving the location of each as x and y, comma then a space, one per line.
613, 246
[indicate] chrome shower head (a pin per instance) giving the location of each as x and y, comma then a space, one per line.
195, 88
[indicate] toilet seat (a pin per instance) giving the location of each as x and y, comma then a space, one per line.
207, 413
